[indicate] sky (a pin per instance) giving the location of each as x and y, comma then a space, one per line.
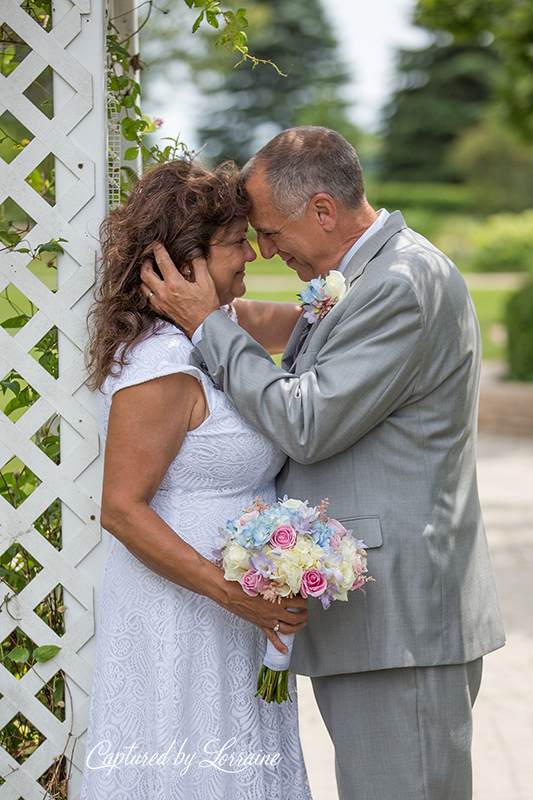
369, 33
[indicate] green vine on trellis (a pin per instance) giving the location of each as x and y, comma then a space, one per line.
125, 89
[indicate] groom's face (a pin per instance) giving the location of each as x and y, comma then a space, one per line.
294, 240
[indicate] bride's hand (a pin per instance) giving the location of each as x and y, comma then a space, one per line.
267, 615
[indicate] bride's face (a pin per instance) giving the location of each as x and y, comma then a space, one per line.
227, 261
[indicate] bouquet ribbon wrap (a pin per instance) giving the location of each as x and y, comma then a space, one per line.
273, 658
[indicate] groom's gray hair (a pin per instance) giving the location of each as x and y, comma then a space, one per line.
301, 162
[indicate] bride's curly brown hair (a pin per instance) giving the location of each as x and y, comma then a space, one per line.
182, 205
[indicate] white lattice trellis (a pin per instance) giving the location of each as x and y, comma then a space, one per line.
76, 187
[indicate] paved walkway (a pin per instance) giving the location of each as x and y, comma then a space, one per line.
503, 734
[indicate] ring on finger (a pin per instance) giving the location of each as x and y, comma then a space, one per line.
149, 295
276, 627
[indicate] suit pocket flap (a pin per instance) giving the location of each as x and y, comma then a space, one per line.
366, 528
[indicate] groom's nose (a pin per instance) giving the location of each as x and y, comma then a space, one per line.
266, 246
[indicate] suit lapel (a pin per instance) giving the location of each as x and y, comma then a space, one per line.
353, 271
372, 246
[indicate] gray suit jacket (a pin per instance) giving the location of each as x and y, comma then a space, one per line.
379, 415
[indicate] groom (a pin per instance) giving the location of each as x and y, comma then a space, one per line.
375, 406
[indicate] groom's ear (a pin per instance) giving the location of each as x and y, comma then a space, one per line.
325, 211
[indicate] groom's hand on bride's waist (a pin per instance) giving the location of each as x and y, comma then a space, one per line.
187, 301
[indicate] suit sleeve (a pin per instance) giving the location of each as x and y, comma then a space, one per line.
368, 367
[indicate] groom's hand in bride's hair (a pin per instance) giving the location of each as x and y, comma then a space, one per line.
188, 303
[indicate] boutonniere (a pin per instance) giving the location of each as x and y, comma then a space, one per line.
321, 294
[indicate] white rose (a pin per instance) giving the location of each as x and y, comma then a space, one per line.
292, 504
235, 561
335, 285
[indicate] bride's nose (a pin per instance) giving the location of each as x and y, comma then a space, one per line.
250, 254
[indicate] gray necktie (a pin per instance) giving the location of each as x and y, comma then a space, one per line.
301, 341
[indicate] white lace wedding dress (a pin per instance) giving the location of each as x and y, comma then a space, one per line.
175, 674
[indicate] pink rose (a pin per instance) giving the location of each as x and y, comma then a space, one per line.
335, 540
284, 537
248, 516
313, 583
337, 527
359, 564
253, 583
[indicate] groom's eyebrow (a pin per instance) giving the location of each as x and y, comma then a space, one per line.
266, 231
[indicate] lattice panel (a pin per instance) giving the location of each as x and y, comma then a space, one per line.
55, 309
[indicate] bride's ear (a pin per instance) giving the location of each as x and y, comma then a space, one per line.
187, 270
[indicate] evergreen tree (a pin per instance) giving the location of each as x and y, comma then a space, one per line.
443, 90
246, 107
508, 25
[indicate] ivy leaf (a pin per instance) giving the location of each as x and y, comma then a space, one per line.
46, 652
131, 153
14, 322
52, 246
13, 386
150, 127
58, 693
197, 22
19, 654
241, 18
9, 239
118, 50
239, 41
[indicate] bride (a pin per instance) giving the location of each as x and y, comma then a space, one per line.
173, 713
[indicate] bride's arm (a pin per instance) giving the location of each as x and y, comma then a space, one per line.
147, 426
270, 324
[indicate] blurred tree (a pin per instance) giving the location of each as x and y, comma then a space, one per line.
442, 90
496, 165
245, 107
508, 25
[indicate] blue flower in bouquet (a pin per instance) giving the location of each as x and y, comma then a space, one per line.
321, 533
257, 532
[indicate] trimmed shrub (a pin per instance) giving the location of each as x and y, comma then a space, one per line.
504, 243
443, 198
519, 321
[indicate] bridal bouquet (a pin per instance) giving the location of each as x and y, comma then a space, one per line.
284, 549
